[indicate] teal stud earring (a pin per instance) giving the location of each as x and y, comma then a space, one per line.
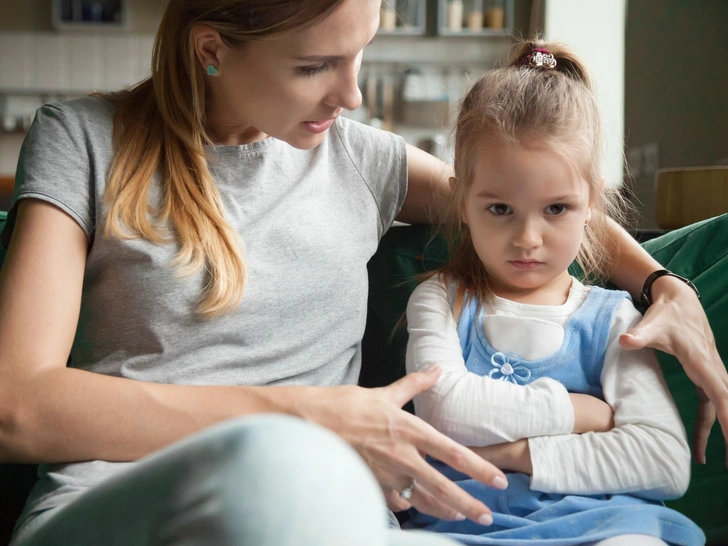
211, 70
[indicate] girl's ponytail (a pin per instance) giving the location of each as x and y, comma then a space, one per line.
567, 62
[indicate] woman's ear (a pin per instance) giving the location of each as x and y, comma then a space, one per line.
209, 47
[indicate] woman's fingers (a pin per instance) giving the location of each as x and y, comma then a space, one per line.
427, 503
394, 502
461, 458
424, 501
703, 424
422, 438
403, 390
691, 340
447, 493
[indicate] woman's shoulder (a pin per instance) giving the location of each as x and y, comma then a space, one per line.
91, 113
357, 135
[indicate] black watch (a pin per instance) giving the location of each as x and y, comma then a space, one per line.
646, 295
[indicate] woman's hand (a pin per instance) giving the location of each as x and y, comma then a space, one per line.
393, 443
675, 323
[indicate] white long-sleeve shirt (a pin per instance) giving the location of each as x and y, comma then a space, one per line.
646, 453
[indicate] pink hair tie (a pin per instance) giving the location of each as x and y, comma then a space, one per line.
539, 58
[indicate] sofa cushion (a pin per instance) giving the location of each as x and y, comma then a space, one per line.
700, 253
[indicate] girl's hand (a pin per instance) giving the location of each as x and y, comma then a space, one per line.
675, 323
393, 443
515, 456
591, 414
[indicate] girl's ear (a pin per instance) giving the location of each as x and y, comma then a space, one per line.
453, 182
591, 200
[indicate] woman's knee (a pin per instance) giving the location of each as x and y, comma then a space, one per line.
278, 479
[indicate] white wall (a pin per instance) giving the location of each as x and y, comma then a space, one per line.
36, 67
595, 30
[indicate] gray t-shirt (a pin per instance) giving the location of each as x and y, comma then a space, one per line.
310, 220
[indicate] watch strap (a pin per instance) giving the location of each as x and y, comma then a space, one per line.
646, 294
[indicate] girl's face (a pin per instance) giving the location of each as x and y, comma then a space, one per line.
527, 208
291, 87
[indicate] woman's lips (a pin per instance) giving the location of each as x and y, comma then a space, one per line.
317, 127
525, 264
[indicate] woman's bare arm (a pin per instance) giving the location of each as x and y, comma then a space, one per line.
54, 413
428, 190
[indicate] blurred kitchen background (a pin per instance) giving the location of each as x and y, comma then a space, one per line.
660, 66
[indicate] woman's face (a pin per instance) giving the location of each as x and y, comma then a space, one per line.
292, 87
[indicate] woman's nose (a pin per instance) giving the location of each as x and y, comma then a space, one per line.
346, 93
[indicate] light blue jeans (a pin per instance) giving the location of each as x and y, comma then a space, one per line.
256, 481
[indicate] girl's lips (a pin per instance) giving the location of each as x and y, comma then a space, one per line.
519, 264
317, 127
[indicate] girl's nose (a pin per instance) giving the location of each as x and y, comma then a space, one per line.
528, 235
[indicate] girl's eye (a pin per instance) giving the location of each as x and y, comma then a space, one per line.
556, 210
499, 209
313, 70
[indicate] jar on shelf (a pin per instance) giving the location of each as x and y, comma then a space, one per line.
403, 17
474, 15
455, 12
495, 14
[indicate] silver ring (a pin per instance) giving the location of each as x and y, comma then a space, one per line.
406, 493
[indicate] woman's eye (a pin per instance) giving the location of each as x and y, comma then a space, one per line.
556, 209
499, 209
313, 70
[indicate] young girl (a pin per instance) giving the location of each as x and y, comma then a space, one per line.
506, 321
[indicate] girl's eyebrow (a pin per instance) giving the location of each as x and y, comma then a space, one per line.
485, 194
564, 197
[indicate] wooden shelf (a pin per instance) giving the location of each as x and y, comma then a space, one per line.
7, 183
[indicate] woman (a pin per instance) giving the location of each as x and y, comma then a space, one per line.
198, 245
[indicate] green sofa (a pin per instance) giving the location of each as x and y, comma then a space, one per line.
699, 252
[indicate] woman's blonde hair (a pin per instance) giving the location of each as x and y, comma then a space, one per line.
518, 103
159, 127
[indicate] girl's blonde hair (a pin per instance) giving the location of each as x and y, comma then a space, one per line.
159, 127
515, 104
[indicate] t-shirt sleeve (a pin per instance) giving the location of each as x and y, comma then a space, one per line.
55, 166
380, 157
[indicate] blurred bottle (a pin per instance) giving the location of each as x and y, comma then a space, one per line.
455, 15
387, 17
495, 15
475, 16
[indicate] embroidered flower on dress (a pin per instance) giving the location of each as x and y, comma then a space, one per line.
507, 368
